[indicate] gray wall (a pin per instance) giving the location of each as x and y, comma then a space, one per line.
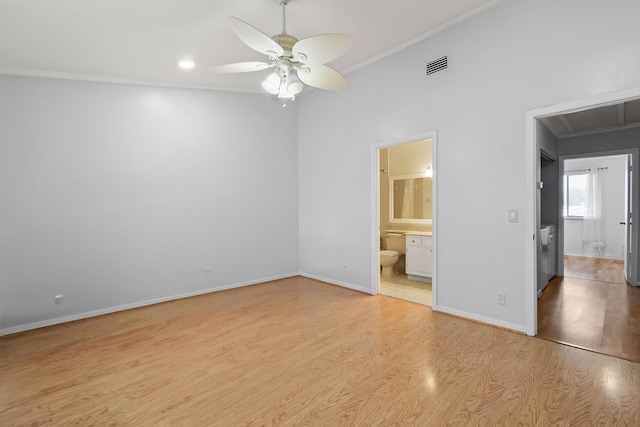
599, 142
546, 140
549, 170
550, 205
116, 196
502, 64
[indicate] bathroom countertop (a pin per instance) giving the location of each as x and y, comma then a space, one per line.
415, 233
419, 233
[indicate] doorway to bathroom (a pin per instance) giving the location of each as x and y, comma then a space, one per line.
404, 209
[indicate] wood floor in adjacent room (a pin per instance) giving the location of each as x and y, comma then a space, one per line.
599, 315
302, 352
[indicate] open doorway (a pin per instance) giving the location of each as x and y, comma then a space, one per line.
594, 308
404, 218
595, 212
533, 135
590, 305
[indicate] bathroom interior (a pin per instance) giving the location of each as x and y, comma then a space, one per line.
406, 220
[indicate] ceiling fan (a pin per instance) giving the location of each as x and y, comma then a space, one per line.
296, 62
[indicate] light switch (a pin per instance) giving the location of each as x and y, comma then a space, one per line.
513, 215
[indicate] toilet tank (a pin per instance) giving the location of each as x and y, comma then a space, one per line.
396, 242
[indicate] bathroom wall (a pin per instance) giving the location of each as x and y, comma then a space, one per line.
403, 159
116, 196
384, 189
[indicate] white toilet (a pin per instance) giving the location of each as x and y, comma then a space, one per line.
396, 245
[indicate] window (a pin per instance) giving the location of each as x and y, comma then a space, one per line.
575, 195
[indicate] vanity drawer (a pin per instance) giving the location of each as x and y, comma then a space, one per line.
414, 240
419, 241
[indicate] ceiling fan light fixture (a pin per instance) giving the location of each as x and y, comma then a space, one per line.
272, 84
289, 56
284, 94
293, 84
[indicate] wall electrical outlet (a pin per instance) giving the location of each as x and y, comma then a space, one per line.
58, 299
345, 269
502, 298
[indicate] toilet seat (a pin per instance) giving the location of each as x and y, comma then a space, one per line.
389, 253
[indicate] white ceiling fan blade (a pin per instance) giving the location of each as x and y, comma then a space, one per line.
254, 38
321, 49
241, 67
323, 77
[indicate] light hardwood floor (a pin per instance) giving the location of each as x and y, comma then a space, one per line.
302, 352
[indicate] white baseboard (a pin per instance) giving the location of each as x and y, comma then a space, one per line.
459, 313
422, 279
483, 319
338, 283
107, 310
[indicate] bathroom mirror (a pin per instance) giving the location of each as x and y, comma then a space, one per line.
410, 199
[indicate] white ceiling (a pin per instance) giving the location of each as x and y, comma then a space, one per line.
595, 120
141, 41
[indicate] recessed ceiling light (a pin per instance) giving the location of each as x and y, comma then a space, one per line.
186, 64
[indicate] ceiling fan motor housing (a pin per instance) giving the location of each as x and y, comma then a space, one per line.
285, 41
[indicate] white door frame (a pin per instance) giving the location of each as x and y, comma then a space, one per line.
375, 208
531, 159
629, 206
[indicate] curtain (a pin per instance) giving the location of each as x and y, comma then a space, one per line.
592, 221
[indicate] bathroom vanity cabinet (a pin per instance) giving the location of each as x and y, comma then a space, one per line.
419, 261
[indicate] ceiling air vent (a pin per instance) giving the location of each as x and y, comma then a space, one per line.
436, 65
